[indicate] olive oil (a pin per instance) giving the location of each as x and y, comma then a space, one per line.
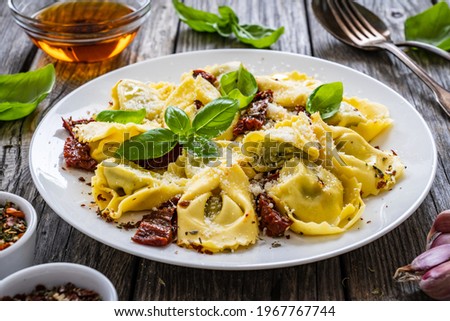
74, 23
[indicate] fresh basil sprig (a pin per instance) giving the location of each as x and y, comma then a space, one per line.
431, 26
240, 85
21, 93
122, 116
177, 120
213, 119
325, 99
227, 23
202, 21
151, 144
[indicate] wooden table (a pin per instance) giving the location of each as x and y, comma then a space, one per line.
363, 274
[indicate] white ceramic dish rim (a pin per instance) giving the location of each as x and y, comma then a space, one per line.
263, 57
30, 216
61, 272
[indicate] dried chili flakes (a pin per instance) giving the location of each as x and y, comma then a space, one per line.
67, 292
12, 225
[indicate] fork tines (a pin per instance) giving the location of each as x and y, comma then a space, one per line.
353, 23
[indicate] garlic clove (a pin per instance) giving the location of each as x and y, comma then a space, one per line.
431, 258
425, 261
441, 224
436, 282
439, 239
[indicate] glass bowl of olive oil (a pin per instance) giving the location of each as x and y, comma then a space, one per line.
81, 31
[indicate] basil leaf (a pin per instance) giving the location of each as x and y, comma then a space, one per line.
215, 117
228, 18
240, 85
122, 116
151, 144
431, 26
21, 93
201, 21
225, 24
325, 99
256, 35
177, 120
201, 147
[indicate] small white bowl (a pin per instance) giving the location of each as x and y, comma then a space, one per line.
21, 254
57, 274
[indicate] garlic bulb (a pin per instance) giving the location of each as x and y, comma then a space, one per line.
431, 269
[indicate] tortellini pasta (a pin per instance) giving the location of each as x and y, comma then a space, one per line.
216, 211
130, 94
269, 149
375, 169
317, 173
119, 187
367, 118
192, 90
290, 89
317, 201
104, 138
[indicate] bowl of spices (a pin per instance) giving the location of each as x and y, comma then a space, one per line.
57, 282
18, 222
81, 31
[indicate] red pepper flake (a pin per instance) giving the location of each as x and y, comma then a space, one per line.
101, 198
15, 212
199, 248
184, 203
381, 184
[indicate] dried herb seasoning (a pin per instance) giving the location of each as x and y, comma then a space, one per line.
12, 225
67, 292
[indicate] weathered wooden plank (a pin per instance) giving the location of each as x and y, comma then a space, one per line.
368, 271
17, 49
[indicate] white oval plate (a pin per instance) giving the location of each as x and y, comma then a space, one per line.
65, 193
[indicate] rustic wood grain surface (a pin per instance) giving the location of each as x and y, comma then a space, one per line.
363, 274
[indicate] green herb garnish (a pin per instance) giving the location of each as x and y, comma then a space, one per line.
240, 85
151, 144
177, 120
202, 21
213, 119
21, 93
122, 116
431, 26
227, 23
325, 99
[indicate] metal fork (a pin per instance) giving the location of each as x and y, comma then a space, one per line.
365, 36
